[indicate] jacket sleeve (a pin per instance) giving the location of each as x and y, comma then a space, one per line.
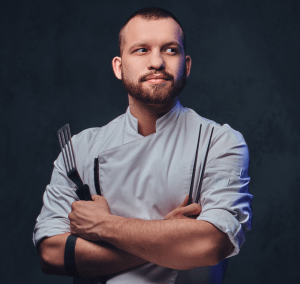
58, 197
225, 197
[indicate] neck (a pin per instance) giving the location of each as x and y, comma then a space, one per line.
147, 114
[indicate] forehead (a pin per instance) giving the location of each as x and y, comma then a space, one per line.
151, 31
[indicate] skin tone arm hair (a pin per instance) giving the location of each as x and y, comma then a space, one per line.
95, 257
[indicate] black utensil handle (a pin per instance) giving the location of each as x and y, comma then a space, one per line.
83, 192
73, 175
96, 176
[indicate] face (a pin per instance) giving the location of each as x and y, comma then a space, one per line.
153, 48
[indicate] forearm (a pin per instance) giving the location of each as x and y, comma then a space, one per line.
92, 259
177, 244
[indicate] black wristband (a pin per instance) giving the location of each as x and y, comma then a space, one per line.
69, 257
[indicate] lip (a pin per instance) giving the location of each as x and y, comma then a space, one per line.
157, 77
156, 81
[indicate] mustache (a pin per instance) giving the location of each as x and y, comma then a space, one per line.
163, 73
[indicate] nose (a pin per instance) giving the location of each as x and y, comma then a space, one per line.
156, 61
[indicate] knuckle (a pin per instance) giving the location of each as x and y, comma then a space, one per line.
195, 207
95, 197
73, 205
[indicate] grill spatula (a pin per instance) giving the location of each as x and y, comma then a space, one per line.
64, 137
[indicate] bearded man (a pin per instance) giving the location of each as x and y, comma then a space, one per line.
143, 229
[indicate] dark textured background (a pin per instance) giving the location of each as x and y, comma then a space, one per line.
56, 69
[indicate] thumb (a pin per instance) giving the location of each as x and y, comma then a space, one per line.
185, 201
95, 197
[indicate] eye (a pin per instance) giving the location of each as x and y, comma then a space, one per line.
173, 50
138, 50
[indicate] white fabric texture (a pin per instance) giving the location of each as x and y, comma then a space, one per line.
147, 177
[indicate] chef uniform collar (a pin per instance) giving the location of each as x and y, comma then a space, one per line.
169, 118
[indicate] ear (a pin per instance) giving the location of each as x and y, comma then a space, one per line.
116, 65
188, 64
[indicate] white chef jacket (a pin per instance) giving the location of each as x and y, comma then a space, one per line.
147, 177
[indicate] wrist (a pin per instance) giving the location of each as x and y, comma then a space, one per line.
110, 227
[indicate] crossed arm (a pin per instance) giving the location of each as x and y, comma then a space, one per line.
109, 244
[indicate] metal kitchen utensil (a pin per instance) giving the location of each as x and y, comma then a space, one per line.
194, 168
64, 137
203, 168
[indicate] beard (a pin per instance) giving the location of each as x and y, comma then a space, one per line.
158, 94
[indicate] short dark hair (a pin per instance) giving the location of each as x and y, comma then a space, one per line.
151, 13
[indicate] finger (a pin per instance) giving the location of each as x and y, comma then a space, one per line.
175, 214
73, 205
192, 209
185, 201
70, 215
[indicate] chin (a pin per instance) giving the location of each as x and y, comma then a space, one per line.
155, 100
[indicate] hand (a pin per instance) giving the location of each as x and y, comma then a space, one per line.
86, 217
185, 211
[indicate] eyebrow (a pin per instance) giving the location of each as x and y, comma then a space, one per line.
143, 44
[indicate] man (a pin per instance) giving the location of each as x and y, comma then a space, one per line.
142, 230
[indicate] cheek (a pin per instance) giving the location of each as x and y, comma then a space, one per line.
129, 74
132, 69
179, 70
